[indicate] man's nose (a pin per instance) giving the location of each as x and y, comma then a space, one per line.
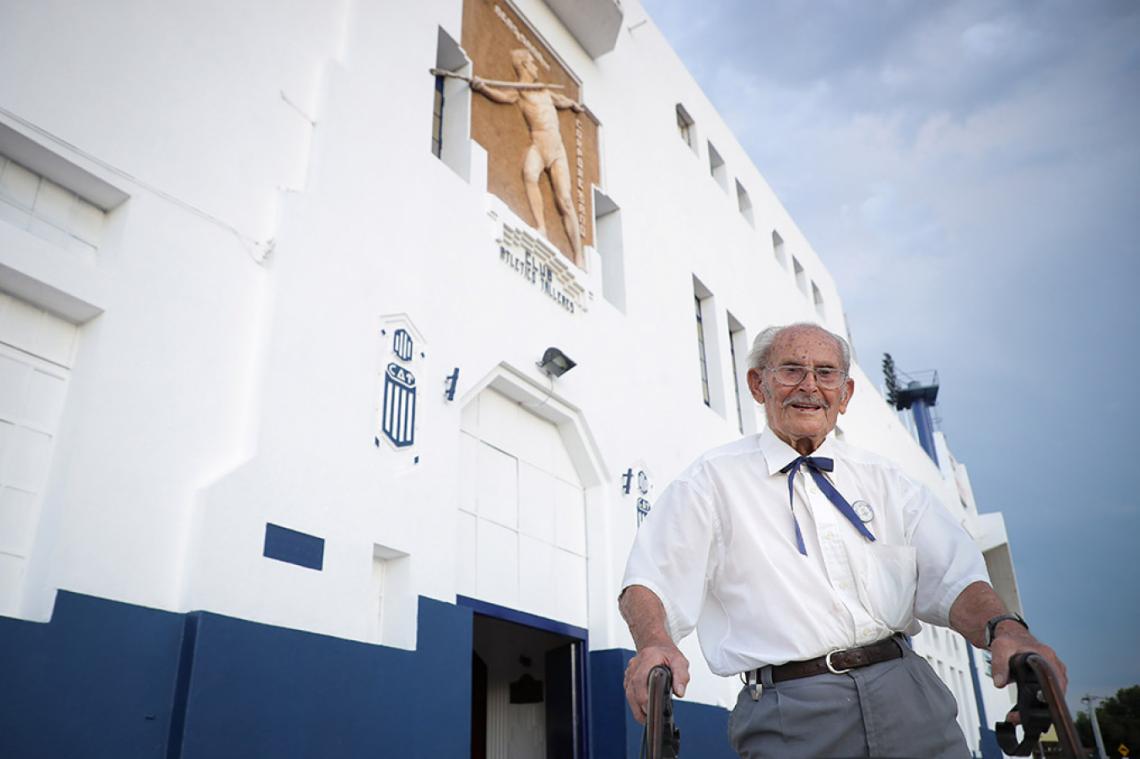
808, 382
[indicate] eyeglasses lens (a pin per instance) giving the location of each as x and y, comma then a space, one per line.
826, 377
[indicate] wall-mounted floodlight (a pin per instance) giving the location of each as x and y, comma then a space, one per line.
555, 363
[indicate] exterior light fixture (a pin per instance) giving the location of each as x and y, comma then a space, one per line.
555, 363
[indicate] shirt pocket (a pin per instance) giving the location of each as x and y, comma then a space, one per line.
888, 584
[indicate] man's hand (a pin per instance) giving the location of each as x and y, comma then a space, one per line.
1011, 638
637, 676
477, 84
978, 604
645, 615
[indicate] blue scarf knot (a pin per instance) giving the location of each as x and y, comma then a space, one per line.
816, 465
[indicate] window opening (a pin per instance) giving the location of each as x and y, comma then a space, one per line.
48, 210
744, 202
735, 335
451, 107
608, 239
736, 382
437, 119
717, 168
801, 277
687, 127
701, 350
778, 249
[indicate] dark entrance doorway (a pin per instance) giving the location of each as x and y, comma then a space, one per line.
526, 690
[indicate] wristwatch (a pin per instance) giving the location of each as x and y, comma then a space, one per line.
991, 626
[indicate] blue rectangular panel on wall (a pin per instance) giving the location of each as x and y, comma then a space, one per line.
298, 548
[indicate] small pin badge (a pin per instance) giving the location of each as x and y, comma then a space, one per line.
864, 511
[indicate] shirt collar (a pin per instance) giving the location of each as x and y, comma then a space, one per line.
778, 454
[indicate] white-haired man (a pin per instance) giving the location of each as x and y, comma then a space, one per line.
803, 563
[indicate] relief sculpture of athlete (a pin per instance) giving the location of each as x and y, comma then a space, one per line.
540, 106
804, 564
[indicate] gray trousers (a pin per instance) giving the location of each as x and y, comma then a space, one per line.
896, 709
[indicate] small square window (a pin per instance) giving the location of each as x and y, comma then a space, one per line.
744, 202
687, 127
801, 277
717, 168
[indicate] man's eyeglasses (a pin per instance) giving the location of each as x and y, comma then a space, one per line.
790, 375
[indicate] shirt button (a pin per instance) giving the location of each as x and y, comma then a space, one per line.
844, 585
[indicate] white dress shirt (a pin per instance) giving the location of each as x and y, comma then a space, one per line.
719, 550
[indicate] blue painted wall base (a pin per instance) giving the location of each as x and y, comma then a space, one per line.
704, 729
108, 680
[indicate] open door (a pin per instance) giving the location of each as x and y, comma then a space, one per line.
563, 707
526, 691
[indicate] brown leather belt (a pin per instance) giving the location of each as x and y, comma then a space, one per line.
838, 662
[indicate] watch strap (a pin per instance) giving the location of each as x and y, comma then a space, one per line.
991, 626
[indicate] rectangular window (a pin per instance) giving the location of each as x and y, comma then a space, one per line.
738, 346
717, 168
687, 127
712, 354
817, 298
966, 711
608, 240
801, 277
451, 107
778, 249
736, 383
744, 202
702, 355
437, 119
48, 210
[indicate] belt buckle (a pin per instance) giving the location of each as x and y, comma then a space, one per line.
831, 667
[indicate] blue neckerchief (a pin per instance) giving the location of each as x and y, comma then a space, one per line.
815, 465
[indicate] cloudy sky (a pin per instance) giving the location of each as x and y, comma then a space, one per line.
970, 173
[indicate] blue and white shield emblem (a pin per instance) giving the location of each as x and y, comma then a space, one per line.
398, 411
403, 345
643, 508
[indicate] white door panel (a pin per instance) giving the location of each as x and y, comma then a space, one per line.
36, 351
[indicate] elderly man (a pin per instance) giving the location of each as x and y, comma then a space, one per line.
804, 564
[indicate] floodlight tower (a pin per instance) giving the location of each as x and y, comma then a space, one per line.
919, 397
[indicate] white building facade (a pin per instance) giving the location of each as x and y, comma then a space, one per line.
279, 472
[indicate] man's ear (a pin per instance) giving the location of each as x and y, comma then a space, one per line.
845, 398
756, 384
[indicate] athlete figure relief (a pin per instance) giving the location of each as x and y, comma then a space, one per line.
540, 104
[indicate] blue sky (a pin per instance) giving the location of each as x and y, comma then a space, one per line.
970, 174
